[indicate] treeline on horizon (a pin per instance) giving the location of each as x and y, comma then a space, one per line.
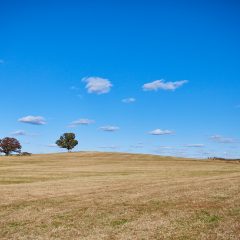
67, 140
12, 145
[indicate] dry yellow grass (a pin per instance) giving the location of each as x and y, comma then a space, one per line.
118, 196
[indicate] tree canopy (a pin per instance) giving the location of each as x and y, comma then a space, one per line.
68, 141
8, 145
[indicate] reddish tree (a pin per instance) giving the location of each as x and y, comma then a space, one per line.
8, 145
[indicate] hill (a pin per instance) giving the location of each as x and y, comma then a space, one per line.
118, 196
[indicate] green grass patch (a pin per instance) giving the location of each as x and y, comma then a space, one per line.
16, 225
118, 222
208, 218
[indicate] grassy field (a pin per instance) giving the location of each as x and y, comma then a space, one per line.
118, 196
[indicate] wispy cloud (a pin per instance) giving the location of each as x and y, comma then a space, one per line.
80, 96
170, 151
194, 145
19, 133
23, 133
74, 88
221, 139
83, 121
138, 145
35, 120
161, 132
166, 147
97, 85
207, 153
109, 147
161, 84
109, 128
129, 100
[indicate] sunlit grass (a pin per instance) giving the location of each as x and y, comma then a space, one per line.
118, 196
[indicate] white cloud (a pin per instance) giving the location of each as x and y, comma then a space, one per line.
221, 139
194, 145
35, 120
161, 84
52, 145
129, 100
19, 133
97, 85
109, 128
83, 121
161, 132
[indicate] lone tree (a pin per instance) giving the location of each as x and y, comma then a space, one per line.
8, 145
68, 141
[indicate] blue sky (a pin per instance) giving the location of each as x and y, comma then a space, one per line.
158, 77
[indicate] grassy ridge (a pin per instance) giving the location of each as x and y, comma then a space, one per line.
118, 196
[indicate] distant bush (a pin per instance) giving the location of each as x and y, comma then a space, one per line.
24, 154
223, 159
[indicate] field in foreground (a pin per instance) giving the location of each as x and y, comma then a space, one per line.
118, 196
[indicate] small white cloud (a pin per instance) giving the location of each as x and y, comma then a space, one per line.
161, 132
35, 120
109, 128
52, 145
161, 84
97, 85
221, 139
129, 100
194, 145
83, 121
19, 133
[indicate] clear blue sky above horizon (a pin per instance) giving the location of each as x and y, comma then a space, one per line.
158, 77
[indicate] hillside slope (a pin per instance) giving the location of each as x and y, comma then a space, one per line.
118, 196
